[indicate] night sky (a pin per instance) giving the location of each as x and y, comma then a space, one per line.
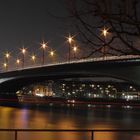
28, 22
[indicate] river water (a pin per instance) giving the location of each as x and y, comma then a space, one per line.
69, 118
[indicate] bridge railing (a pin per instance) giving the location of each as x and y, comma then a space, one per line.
96, 59
91, 132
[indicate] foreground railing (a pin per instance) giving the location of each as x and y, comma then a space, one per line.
89, 131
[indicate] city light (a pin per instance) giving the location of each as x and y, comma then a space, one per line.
33, 57
17, 61
23, 51
5, 65
70, 40
105, 31
7, 55
75, 49
51, 53
43, 46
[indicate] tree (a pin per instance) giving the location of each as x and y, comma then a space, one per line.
120, 18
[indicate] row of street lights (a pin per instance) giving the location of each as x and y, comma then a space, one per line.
44, 46
70, 40
73, 46
22, 60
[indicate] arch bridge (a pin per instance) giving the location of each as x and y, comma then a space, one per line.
127, 69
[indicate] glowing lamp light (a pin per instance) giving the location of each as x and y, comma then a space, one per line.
33, 57
51, 53
75, 49
17, 61
7, 55
5, 65
105, 32
39, 94
23, 50
70, 39
44, 46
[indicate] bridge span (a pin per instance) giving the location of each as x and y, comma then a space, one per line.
122, 68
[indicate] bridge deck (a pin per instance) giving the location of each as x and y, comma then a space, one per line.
118, 59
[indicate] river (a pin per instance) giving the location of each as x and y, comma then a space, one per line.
69, 118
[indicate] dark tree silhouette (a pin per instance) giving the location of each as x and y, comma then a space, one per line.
121, 18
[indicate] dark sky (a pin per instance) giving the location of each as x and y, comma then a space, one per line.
27, 22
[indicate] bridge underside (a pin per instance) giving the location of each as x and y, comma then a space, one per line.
17, 79
16, 84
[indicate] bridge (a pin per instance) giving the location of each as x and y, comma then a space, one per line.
126, 68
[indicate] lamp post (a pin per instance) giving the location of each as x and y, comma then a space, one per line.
52, 55
33, 58
23, 51
104, 33
69, 40
43, 46
5, 66
75, 51
17, 62
7, 55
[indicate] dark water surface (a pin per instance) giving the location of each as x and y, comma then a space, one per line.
69, 118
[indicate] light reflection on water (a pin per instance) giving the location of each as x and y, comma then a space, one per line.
69, 118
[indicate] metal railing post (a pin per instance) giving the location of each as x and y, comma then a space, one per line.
15, 134
92, 134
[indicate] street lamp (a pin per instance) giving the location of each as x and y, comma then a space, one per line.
104, 33
70, 40
52, 56
33, 58
43, 46
17, 62
51, 53
75, 51
23, 51
5, 66
7, 55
